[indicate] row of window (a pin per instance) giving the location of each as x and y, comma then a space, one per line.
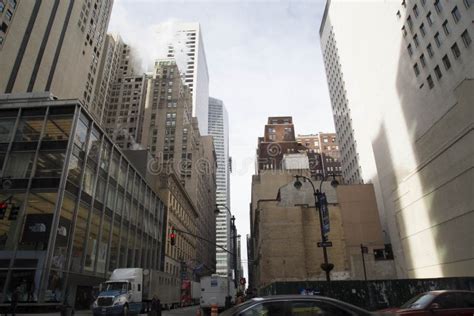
446, 61
437, 37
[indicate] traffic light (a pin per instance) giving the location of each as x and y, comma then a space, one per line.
173, 236
3, 209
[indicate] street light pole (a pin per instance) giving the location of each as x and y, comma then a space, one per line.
319, 200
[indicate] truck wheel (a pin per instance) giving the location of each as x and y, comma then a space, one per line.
125, 311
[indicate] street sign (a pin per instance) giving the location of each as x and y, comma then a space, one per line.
323, 204
324, 244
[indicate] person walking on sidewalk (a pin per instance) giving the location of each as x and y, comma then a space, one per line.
155, 306
15, 298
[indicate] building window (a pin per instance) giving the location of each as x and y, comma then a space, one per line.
410, 50
1, 40
437, 38
446, 28
430, 50
416, 69
404, 3
422, 29
446, 62
8, 15
466, 38
429, 19
404, 31
399, 15
430, 82
438, 72
438, 6
455, 50
468, 3
415, 11
12, 3
456, 14
2, 6
422, 60
409, 22
415, 40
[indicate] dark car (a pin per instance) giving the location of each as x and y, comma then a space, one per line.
294, 305
447, 302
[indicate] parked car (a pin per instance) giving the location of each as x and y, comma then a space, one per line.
294, 305
447, 302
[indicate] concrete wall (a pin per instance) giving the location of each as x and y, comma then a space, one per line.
361, 221
419, 138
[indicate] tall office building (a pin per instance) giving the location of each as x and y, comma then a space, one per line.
53, 46
184, 43
219, 128
407, 67
75, 207
172, 135
117, 61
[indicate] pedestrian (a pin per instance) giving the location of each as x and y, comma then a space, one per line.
15, 298
155, 306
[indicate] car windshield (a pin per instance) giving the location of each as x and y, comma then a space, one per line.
116, 286
418, 302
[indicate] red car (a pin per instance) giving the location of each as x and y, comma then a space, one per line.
447, 302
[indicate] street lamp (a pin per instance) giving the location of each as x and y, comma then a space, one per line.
320, 203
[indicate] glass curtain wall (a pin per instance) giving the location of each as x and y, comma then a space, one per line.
107, 217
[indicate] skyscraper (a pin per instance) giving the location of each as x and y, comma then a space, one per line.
184, 44
172, 135
219, 128
53, 46
407, 67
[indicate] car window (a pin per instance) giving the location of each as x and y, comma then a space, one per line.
312, 308
266, 309
418, 302
465, 300
446, 300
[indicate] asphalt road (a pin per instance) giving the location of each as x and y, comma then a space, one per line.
186, 311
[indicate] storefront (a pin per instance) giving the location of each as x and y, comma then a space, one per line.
72, 207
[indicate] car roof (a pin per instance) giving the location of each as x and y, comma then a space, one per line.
303, 297
438, 292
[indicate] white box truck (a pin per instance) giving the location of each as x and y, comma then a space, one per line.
214, 290
130, 291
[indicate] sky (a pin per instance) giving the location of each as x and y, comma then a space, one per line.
264, 59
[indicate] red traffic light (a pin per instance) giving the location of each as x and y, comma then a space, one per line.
173, 237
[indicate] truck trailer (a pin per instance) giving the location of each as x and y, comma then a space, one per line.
216, 290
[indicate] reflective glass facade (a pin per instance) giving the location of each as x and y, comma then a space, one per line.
76, 208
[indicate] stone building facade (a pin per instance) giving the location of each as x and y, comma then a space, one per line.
285, 231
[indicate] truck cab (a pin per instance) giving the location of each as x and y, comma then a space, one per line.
121, 295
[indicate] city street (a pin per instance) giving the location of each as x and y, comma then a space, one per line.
186, 311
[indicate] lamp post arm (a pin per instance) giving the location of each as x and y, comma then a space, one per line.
310, 182
199, 237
